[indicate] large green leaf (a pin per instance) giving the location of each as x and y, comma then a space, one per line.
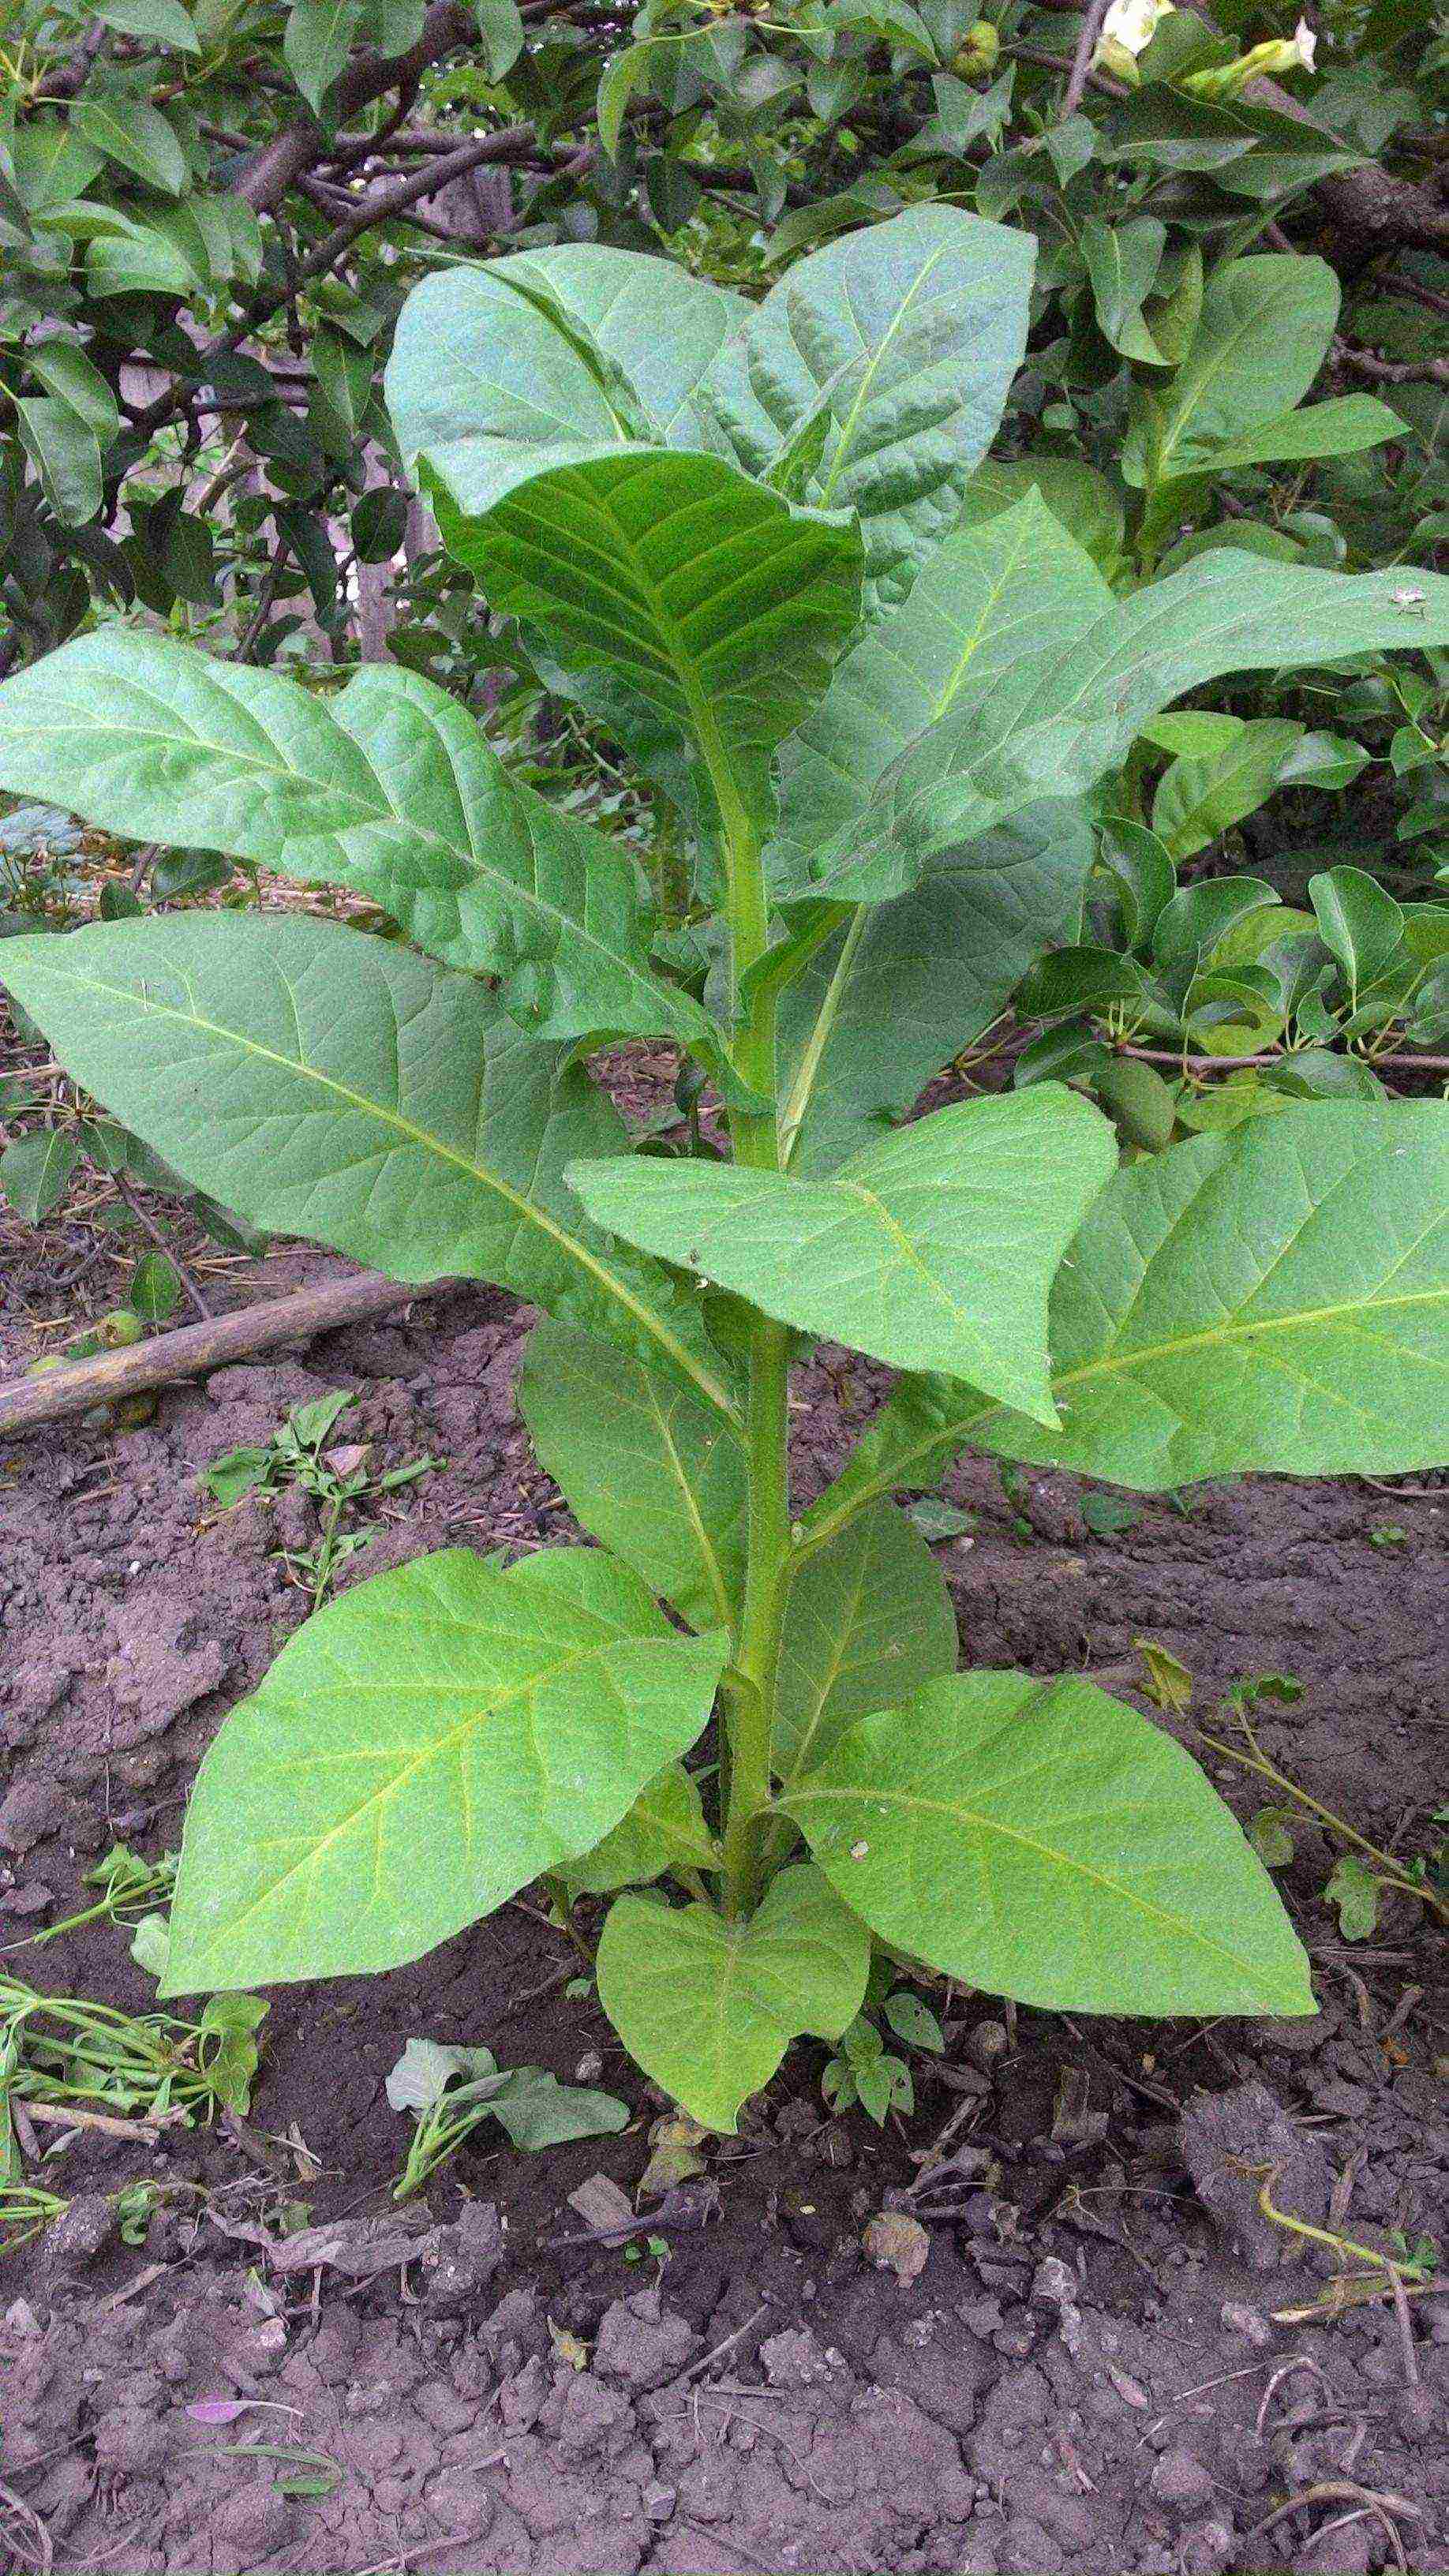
867, 1620
709, 2008
983, 621
1263, 334
575, 341
892, 352
1198, 799
1041, 1840
645, 1463
675, 597
682, 602
899, 990
1343, 426
936, 1246
388, 789
1053, 678
420, 1750
324, 1083
1276, 1299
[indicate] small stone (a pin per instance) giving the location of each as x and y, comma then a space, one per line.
987, 2042
1179, 2478
1055, 2281
660, 2501
1247, 2322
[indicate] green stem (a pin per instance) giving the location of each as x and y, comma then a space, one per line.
750, 1697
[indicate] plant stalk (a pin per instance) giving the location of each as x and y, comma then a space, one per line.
754, 1134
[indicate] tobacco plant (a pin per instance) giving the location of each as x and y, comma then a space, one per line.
733, 536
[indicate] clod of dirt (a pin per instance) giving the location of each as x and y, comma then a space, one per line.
88, 2227
168, 1657
1234, 2142
640, 2345
29, 1814
464, 2261
1179, 2478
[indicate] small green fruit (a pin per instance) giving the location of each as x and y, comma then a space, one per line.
133, 1412
118, 1330
1139, 1102
978, 52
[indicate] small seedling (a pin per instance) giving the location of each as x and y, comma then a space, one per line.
129, 1886
59, 2050
656, 2247
336, 1478
1108, 1515
1166, 1679
863, 2070
450, 2091
1356, 1884
1388, 1534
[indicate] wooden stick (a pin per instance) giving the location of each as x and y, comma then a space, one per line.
73, 2115
196, 1348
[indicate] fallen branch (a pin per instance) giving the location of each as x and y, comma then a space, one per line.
191, 1352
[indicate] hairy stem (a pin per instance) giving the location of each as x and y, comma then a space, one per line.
754, 1133
757, 1651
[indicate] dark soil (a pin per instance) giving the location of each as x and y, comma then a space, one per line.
1089, 2372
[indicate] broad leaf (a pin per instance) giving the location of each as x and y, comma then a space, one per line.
1275, 1299
35, 1171
1343, 426
1084, 501
324, 1083
1041, 1840
1198, 799
65, 452
421, 1749
898, 991
681, 601
644, 1463
130, 131
1122, 263
1359, 921
867, 1620
1263, 334
575, 341
937, 1245
984, 620
388, 789
664, 1829
708, 2008
902, 339
1052, 679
